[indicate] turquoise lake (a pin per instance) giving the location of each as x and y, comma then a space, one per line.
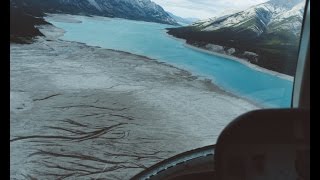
151, 39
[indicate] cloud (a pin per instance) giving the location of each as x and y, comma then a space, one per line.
205, 8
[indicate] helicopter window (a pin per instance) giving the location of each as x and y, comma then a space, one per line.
108, 88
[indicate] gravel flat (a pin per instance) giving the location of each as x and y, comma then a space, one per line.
81, 112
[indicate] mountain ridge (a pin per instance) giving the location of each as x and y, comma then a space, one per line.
271, 31
144, 10
25, 15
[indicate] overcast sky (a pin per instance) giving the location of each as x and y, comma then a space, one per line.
204, 9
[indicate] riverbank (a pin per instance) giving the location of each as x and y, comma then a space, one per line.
242, 61
140, 37
81, 112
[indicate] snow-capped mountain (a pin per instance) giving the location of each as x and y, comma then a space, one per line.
288, 21
266, 17
144, 10
266, 34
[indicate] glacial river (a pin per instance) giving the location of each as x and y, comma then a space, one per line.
151, 39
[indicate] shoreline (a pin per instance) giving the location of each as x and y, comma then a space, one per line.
71, 19
67, 18
246, 63
206, 79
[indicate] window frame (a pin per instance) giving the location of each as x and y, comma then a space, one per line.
302, 58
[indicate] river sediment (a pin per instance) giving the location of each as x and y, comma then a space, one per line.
81, 112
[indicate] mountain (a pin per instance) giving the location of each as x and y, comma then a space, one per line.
183, 21
267, 34
144, 10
